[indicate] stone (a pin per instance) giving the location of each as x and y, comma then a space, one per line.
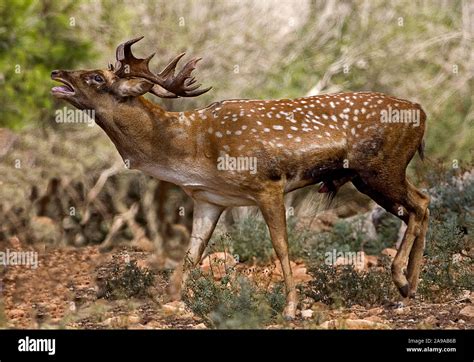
375, 318
375, 311
307, 314
218, 264
467, 312
353, 324
176, 306
389, 252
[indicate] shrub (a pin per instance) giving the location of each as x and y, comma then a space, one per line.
126, 280
233, 302
447, 269
448, 264
345, 287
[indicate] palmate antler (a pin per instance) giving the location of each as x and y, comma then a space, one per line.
167, 84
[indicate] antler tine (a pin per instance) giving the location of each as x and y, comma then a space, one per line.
124, 50
129, 65
170, 68
170, 86
161, 92
183, 83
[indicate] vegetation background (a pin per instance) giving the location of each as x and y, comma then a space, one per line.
64, 185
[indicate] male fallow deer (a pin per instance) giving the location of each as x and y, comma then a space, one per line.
329, 139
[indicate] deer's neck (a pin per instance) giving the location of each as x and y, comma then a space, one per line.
150, 139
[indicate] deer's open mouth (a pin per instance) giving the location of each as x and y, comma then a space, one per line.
65, 89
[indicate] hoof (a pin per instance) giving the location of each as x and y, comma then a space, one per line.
405, 290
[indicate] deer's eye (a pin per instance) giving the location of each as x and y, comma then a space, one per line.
98, 78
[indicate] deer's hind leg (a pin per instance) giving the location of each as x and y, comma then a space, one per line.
403, 200
416, 255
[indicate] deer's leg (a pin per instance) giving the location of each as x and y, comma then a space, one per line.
416, 255
273, 210
407, 263
205, 217
406, 202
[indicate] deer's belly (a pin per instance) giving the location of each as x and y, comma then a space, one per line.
219, 197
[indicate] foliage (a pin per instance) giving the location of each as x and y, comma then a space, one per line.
448, 268
126, 280
35, 38
448, 253
233, 302
345, 287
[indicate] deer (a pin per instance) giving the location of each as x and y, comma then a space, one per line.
327, 139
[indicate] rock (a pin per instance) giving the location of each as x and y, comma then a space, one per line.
371, 261
375, 318
307, 314
353, 324
300, 274
431, 320
218, 264
113, 322
467, 312
401, 310
389, 252
200, 326
134, 319
121, 321
351, 315
375, 311
176, 306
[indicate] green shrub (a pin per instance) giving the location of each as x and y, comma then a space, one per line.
448, 265
345, 287
234, 302
448, 268
126, 280
249, 239
40, 37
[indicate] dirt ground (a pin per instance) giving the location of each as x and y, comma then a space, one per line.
63, 293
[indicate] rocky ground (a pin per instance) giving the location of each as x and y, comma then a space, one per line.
65, 292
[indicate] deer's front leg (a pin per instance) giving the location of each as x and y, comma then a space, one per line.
205, 217
273, 210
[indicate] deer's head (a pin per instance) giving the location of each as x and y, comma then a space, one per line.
130, 77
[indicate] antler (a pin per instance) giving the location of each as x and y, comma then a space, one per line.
167, 85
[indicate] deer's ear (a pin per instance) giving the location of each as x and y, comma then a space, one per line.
131, 87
